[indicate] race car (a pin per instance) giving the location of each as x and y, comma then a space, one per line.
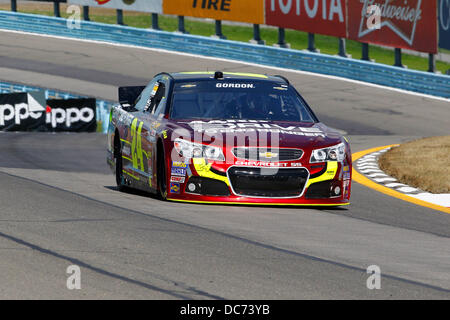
221, 137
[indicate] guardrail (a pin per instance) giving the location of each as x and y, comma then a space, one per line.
103, 106
417, 81
225, 10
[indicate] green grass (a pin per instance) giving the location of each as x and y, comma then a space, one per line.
297, 39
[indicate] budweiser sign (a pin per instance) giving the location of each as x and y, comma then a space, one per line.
400, 16
407, 24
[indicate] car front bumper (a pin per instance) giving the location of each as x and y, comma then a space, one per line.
263, 186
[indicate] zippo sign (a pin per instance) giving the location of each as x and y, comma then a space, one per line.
77, 115
408, 24
22, 112
315, 16
31, 112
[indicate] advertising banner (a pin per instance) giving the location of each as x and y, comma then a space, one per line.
326, 17
396, 23
444, 24
22, 111
153, 6
250, 11
76, 115
31, 112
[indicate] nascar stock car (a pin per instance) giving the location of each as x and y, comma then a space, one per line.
217, 137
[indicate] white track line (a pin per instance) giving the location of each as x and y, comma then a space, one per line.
407, 189
395, 185
385, 179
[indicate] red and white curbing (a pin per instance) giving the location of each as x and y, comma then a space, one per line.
368, 166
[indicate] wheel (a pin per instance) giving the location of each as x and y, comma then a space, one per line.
120, 180
162, 184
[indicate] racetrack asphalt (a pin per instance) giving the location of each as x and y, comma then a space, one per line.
60, 206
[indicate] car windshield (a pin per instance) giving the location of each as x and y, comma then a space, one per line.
243, 100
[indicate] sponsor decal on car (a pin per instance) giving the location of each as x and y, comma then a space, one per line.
261, 164
236, 85
123, 117
296, 164
150, 164
126, 149
242, 126
177, 179
175, 187
156, 125
178, 172
346, 172
268, 155
188, 86
178, 164
346, 188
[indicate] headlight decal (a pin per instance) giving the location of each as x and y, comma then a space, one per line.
189, 150
333, 153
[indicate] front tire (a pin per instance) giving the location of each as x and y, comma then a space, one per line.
162, 181
120, 180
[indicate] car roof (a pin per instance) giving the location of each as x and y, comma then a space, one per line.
208, 75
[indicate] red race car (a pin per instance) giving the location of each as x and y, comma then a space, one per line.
217, 137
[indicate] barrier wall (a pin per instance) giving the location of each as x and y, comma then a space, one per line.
417, 81
103, 107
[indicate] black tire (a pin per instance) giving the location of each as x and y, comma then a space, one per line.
120, 180
162, 181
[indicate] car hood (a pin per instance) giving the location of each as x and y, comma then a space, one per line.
256, 133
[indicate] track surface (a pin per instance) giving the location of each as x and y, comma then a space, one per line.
60, 207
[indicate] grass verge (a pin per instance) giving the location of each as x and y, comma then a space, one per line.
297, 39
423, 164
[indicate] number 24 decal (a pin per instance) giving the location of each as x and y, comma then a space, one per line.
136, 145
